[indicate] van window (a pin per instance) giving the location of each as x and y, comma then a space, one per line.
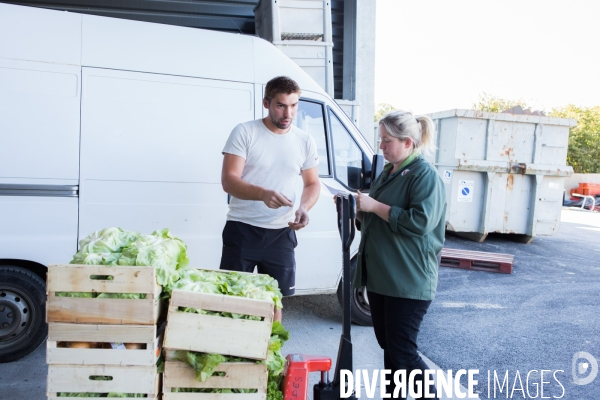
310, 119
347, 156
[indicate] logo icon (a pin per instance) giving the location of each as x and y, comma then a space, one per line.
406, 171
582, 367
465, 191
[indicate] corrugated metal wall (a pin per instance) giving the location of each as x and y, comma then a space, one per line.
337, 22
225, 15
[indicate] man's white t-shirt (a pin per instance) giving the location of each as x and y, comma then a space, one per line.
273, 161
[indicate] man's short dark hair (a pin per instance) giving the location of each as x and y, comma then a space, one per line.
281, 84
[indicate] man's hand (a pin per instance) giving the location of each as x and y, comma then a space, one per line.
301, 219
231, 179
310, 195
274, 199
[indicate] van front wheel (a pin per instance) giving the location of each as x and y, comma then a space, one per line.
22, 307
359, 301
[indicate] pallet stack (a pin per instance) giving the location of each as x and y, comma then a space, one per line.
217, 335
477, 260
121, 337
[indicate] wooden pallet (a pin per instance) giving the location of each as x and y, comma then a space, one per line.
477, 260
240, 375
83, 278
77, 379
215, 334
149, 336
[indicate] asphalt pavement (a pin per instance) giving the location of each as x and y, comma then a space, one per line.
534, 319
524, 327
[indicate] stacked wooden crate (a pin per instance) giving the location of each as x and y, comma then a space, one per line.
217, 335
103, 321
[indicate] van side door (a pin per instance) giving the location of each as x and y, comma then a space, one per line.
40, 99
151, 155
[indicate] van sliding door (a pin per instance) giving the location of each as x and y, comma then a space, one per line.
39, 165
151, 155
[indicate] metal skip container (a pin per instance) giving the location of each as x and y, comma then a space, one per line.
503, 172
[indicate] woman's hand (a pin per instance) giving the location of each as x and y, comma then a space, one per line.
359, 216
364, 202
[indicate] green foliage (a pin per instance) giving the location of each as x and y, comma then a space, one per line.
273, 391
490, 103
382, 109
116, 246
211, 390
584, 139
204, 364
231, 283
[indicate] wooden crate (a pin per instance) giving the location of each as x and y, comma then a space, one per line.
78, 278
125, 379
237, 376
149, 335
215, 334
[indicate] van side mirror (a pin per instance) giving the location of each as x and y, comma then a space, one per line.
355, 177
371, 169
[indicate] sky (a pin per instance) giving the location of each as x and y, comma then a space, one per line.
436, 55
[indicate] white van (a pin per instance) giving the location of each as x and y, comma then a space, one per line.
107, 122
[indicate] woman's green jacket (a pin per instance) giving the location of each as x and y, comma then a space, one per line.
399, 258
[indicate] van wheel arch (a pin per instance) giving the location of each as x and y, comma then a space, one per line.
360, 309
23, 324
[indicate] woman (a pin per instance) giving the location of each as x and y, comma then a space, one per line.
402, 228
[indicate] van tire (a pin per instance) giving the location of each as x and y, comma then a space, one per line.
360, 311
22, 312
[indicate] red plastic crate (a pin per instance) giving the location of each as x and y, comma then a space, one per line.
588, 189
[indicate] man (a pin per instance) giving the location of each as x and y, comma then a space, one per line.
262, 161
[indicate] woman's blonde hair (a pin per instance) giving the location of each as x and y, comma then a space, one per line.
403, 124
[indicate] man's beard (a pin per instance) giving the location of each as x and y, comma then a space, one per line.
279, 124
